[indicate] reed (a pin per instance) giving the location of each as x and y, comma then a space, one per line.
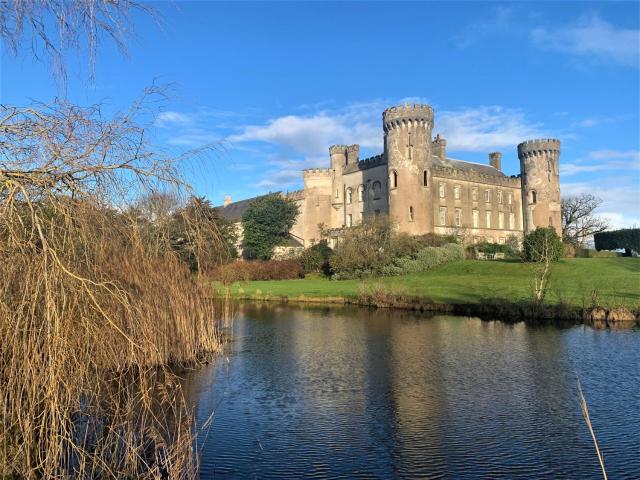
96, 310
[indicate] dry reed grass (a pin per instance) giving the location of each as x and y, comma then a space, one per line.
95, 307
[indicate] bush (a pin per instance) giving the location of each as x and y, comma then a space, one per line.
542, 243
316, 258
244, 271
487, 247
587, 253
627, 238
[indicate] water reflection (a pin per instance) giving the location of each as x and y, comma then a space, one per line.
320, 392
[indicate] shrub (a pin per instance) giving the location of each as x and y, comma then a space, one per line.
587, 253
487, 247
541, 244
243, 271
627, 238
316, 258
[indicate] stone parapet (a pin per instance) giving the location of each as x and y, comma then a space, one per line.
538, 147
498, 180
365, 163
404, 114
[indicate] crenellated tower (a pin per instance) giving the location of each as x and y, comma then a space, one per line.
338, 155
539, 167
407, 147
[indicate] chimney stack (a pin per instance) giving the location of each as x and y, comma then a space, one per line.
227, 200
495, 160
439, 147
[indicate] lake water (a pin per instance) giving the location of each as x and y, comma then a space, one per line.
361, 393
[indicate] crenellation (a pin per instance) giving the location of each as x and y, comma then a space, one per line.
421, 190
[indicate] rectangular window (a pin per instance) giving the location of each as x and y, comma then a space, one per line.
499, 196
456, 192
474, 194
443, 215
510, 198
487, 195
488, 219
441, 190
458, 217
476, 218
512, 221
501, 241
501, 220
411, 214
349, 220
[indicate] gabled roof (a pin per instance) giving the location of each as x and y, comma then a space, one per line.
234, 211
467, 166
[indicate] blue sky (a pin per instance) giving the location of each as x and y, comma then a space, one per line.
276, 83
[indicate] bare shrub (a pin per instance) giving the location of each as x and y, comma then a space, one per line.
95, 306
244, 271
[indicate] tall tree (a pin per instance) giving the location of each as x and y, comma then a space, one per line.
579, 220
266, 224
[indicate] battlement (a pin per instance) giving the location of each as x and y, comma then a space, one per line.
366, 163
353, 148
538, 146
400, 114
513, 181
333, 149
316, 172
296, 195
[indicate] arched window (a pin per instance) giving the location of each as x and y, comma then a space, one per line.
534, 196
361, 193
393, 179
377, 189
425, 179
349, 195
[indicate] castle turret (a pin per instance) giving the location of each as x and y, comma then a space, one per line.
540, 184
495, 160
338, 154
407, 130
353, 151
439, 147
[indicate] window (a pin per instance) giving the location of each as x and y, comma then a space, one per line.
476, 218
337, 193
443, 215
500, 220
349, 220
474, 194
456, 192
393, 179
425, 179
512, 221
499, 196
534, 197
488, 219
377, 189
361, 193
360, 216
501, 240
551, 221
411, 214
476, 239
332, 242
441, 190
458, 217
487, 195
510, 198
349, 195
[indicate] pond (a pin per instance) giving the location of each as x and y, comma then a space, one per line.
320, 392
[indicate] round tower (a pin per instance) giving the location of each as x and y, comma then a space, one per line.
407, 147
338, 154
540, 184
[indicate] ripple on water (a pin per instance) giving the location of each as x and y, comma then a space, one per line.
351, 393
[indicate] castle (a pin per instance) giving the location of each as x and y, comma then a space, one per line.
423, 191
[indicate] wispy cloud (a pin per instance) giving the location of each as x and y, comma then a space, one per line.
591, 36
172, 119
603, 161
485, 128
495, 23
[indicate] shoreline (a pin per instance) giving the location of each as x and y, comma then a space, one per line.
618, 318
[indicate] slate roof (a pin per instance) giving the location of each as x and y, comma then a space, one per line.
234, 211
467, 166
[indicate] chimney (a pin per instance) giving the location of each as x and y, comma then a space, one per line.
495, 160
439, 147
227, 200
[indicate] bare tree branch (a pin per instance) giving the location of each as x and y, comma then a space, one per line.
579, 220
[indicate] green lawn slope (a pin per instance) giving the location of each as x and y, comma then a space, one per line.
576, 281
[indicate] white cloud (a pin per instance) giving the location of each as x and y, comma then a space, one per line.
171, 119
485, 128
591, 36
496, 22
603, 161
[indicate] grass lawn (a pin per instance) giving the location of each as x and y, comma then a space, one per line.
616, 281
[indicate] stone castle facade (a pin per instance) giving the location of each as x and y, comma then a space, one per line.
423, 191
